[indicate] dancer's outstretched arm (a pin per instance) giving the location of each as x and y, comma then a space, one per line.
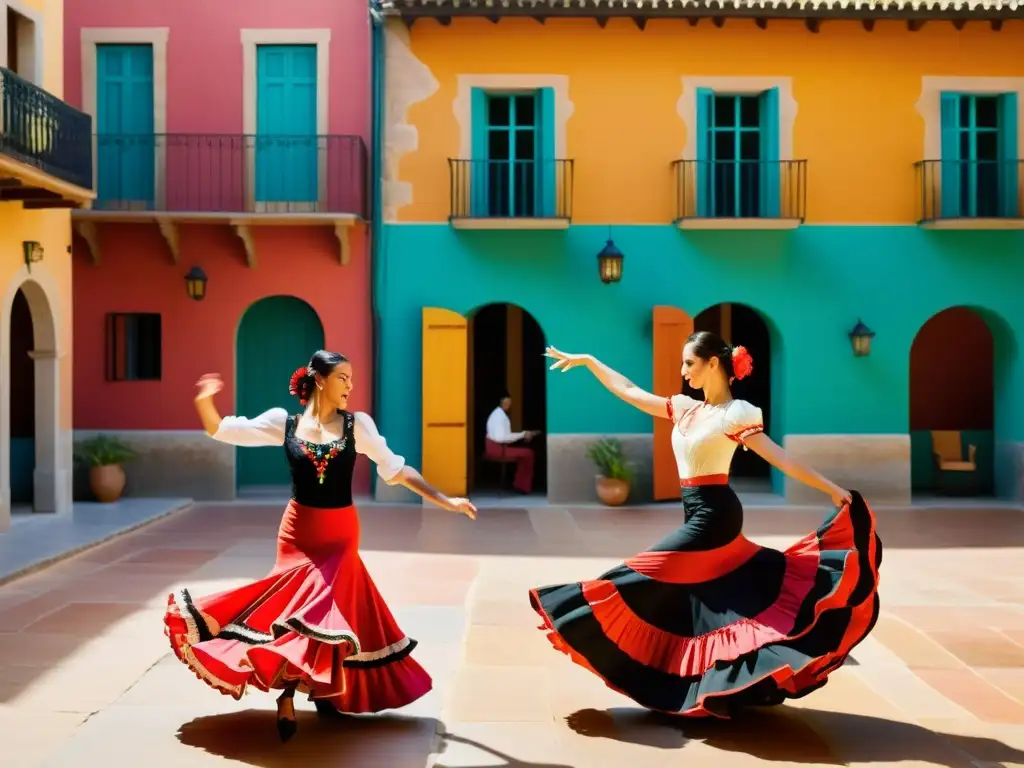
775, 455
392, 469
614, 382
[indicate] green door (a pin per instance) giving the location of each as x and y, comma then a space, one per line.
277, 335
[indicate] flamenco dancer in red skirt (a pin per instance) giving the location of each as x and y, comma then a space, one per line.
316, 623
706, 621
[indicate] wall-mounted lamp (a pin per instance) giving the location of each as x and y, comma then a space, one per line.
860, 338
609, 263
195, 284
33, 252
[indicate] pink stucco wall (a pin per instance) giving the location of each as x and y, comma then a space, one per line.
204, 54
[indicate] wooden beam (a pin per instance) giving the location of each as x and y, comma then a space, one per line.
640, 21
602, 21
718, 21
761, 23
813, 25
996, 24
170, 233
494, 19
914, 25
244, 232
341, 231
693, 21
868, 24
539, 19
958, 24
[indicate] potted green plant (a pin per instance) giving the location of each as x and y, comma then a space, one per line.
615, 474
105, 456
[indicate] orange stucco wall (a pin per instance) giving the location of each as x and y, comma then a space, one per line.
856, 121
135, 274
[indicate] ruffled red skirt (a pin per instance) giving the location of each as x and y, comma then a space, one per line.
316, 621
707, 621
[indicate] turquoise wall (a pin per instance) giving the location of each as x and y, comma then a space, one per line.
810, 284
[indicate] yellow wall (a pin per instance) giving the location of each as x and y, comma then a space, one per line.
50, 228
855, 91
53, 230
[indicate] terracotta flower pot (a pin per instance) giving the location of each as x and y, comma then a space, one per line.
612, 493
107, 482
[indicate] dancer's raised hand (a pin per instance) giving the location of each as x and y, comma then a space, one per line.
564, 360
209, 384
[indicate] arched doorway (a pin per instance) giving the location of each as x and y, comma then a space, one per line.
505, 347
37, 446
22, 401
275, 336
739, 324
952, 392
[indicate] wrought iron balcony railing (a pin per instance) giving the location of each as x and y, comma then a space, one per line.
40, 130
511, 189
970, 189
741, 189
186, 173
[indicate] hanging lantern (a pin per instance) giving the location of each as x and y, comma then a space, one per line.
609, 263
860, 338
195, 284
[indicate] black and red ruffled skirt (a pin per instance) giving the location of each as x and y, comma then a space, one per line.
707, 621
316, 622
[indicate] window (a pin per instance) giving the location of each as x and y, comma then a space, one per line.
513, 165
21, 45
134, 347
979, 155
738, 154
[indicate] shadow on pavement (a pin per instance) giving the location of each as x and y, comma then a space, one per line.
250, 737
798, 735
507, 760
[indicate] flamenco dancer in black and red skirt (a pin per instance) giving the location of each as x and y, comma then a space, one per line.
706, 621
316, 623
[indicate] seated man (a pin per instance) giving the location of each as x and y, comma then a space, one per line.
500, 448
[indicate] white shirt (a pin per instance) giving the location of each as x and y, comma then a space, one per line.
499, 428
268, 429
705, 436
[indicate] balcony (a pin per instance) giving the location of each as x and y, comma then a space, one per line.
740, 194
970, 194
45, 147
239, 180
511, 194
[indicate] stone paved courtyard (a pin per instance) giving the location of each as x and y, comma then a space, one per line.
87, 679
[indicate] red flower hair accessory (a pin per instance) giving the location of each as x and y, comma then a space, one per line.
295, 385
742, 362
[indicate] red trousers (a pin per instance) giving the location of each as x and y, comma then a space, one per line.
523, 458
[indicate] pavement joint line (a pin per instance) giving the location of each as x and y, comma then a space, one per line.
67, 554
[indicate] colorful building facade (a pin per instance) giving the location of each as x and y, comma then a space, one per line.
778, 180
45, 160
232, 160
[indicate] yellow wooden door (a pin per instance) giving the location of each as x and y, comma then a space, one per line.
671, 328
445, 404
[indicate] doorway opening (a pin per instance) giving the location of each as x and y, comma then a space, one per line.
276, 335
23, 402
953, 417
741, 325
506, 348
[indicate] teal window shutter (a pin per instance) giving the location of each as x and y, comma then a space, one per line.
770, 166
705, 173
951, 177
549, 175
479, 171
1009, 181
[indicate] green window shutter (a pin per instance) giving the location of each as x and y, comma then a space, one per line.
705, 172
770, 170
1009, 177
549, 176
951, 176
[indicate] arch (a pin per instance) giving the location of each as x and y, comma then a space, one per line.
742, 324
275, 335
51, 484
954, 386
505, 345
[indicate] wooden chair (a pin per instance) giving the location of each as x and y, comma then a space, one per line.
950, 463
503, 465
